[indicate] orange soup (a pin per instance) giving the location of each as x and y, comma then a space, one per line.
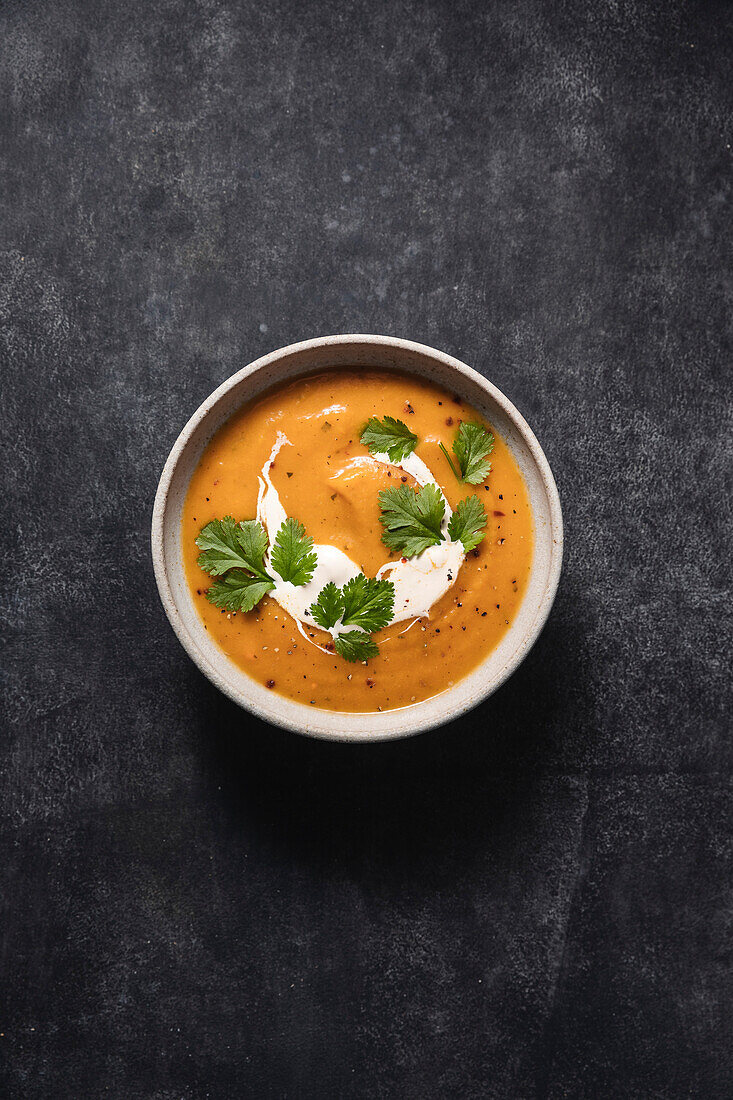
323, 477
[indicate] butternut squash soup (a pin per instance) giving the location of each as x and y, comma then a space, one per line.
357, 540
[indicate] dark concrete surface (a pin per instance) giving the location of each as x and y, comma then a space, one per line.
537, 901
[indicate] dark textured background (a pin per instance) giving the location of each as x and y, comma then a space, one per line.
538, 901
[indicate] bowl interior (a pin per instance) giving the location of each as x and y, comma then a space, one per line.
386, 354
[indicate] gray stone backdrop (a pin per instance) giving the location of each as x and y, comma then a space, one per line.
538, 900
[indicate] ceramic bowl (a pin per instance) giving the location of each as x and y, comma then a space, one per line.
384, 353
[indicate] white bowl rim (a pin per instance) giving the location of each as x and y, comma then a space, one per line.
400, 725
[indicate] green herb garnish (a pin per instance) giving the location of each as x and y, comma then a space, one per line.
390, 437
471, 446
229, 545
237, 591
364, 602
411, 518
293, 556
328, 607
235, 552
467, 522
367, 603
355, 646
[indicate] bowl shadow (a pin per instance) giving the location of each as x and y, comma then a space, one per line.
391, 802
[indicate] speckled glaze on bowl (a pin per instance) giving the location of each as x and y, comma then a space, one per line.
384, 353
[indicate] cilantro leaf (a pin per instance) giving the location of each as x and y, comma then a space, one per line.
466, 523
237, 591
471, 446
229, 545
388, 436
363, 602
367, 602
328, 607
253, 540
411, 518
293, 556
355, 646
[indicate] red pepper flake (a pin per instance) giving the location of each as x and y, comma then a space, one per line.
449, 420
403, 560
408, 407
475, 553
403, 479
369, 682
270, 684
499, 513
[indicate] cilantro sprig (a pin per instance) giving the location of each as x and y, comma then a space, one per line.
237, 591
363, 602
234, 553
467, 522
472, 445
293, 557
411, 518
367, 603
355, 646
227, 545
328, 607
388, 436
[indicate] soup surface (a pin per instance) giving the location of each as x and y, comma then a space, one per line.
336, 500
